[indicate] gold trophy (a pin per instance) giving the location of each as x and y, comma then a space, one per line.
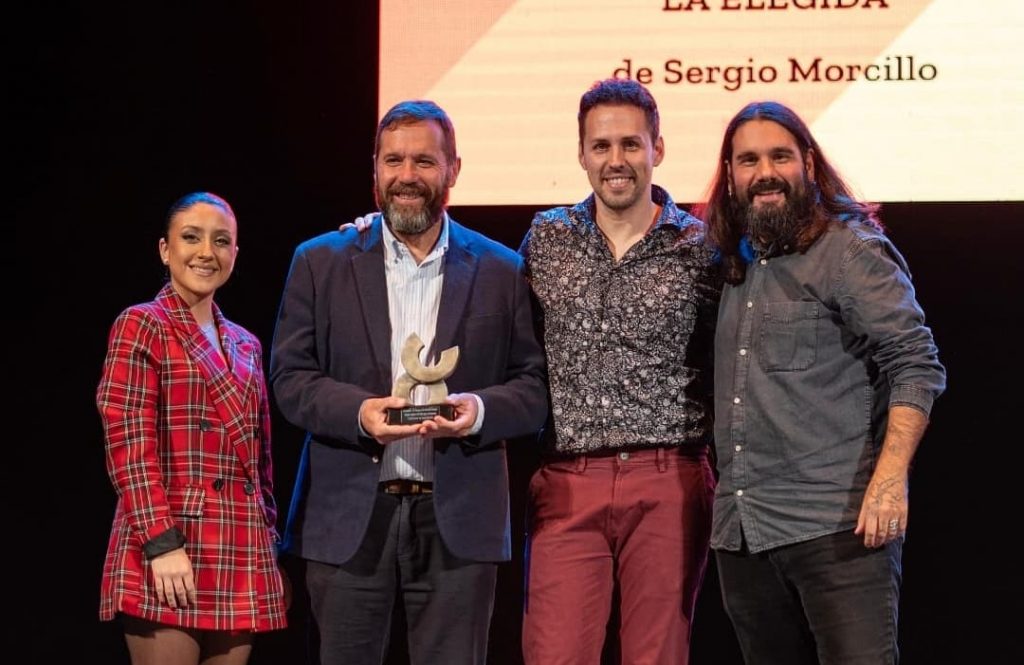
418, 374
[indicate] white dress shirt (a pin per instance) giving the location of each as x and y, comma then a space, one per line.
414, 296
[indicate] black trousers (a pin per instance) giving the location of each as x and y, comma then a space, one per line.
448, 601
825, 601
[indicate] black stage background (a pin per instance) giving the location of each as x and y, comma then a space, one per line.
119, 110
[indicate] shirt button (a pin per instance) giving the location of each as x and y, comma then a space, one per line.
249, 489
764, 262
735, 400
218, 484
205, 425
739, 492
750, 303
623, 455
375, 459
743, 352
739, 448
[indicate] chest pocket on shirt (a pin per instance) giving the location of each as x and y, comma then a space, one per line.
789, 336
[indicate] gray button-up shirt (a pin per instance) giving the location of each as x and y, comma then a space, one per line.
628, 342
811, 351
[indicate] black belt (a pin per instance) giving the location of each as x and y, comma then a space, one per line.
406, 486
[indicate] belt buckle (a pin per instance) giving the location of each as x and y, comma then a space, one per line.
400, 486
420, 487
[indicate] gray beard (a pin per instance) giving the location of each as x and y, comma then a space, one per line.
409, 224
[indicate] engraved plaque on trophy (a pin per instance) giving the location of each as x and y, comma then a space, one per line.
418, 374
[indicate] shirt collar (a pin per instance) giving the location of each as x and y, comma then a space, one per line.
393, 247
586, 210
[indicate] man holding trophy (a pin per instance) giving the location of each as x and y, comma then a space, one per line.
402, 489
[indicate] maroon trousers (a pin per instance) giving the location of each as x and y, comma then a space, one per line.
638, 517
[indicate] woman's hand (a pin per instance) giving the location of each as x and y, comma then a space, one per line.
172, 576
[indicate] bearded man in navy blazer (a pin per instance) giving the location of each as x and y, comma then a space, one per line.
419, 512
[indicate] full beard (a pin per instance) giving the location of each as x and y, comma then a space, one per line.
409, 220
776, 228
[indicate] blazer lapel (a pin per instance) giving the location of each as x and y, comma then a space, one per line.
459, 273
227, 392
371, 284
236, 394
241, 356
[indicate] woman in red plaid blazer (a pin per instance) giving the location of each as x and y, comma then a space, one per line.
191, 562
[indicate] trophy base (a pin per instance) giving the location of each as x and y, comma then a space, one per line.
414, 415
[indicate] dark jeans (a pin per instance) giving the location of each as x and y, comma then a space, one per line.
448, 601
829, 600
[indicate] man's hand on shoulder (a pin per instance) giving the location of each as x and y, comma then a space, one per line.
360, 223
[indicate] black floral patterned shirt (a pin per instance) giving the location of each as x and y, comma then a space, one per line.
628, 343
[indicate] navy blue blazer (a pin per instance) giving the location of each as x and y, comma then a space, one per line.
332, 350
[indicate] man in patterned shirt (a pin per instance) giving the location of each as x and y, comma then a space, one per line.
628, 299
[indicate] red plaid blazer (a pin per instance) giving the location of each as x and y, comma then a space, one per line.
188, 446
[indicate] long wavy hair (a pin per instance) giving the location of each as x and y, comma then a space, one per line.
832, 202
